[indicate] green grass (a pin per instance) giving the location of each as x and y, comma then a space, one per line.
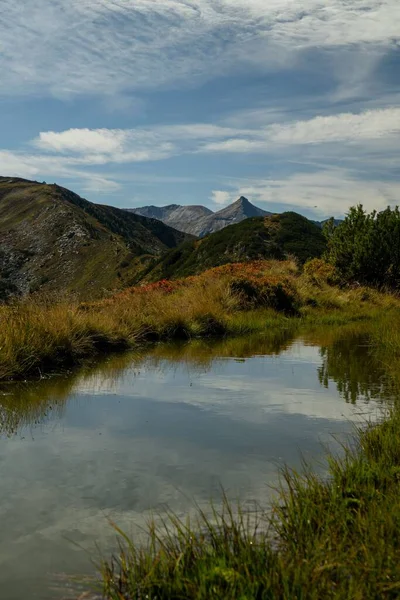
331, 537
337, 537
274, 237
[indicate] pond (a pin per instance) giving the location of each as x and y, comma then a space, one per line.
165, 430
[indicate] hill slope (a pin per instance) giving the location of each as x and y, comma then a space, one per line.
199, 220
276, 236
52, 239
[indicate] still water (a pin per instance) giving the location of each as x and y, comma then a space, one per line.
164, 430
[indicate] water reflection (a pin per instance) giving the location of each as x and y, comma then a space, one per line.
25, 404
355, 368
346, 361
167, 428
32, 403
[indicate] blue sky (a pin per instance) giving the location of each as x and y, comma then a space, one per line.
294, 104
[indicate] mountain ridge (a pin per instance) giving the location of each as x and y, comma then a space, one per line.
199, 220
256, 238
53, 240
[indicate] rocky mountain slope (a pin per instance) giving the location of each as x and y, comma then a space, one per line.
183, 218
199, 220
52, 239
275, 236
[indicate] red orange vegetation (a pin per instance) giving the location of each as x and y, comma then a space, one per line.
262, 282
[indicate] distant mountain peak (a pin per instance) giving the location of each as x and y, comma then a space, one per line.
240, 202
238, 211
200, 220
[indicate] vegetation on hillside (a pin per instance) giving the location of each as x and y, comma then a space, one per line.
51, 239
39, 334
273, 237
365, 248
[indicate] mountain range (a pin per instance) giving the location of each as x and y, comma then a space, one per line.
271, 237
199, 220
52, 239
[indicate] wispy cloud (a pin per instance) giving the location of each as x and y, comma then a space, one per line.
101, 146
221, 197
31, 166
325, 192
101, 46
367, 142
136, 145
346, 127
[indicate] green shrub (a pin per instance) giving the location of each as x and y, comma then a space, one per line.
365, 248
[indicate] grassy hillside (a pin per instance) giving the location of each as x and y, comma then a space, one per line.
54, 240
37, 336
276, 237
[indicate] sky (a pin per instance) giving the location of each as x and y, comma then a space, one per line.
294, 104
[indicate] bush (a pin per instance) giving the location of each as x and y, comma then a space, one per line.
278, 295
318, 271
365, 248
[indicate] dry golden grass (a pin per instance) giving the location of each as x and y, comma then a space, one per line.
40, 333
37, 335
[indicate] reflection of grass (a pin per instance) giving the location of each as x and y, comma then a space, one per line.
337, 538
37, 335
30, 403
203, 352
386, 336
356, 371
27, 403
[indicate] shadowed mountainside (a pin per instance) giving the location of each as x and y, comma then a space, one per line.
276, 236
52, 239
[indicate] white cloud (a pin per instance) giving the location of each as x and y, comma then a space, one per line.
344, 127
221, 197
101, 146
82, 140
327, 192
237, 145
99, 185
135, 141
104, 46
363, 142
